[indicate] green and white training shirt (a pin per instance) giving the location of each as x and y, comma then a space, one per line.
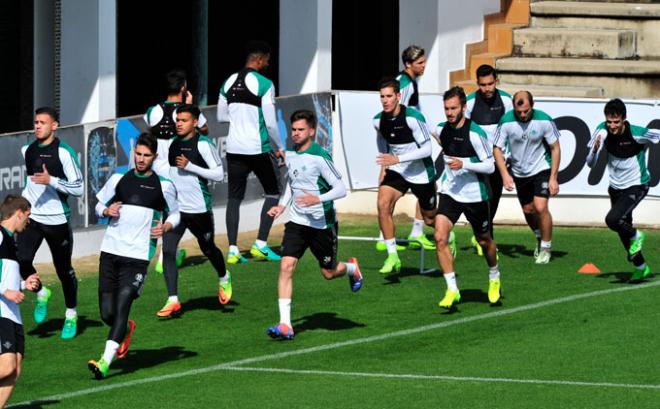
529, 142
247, 102
312, 171
626, 154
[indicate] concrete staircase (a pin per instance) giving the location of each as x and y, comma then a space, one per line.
587, 48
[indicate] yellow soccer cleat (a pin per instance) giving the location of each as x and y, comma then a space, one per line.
450, 299
494, 290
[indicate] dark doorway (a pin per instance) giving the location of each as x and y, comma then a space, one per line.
16, 48
155, 36
365, 42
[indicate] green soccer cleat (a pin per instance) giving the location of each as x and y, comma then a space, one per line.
419, 241
235, 258
70, 328
225, 290
41, 308
159, 267
99, 368
543, 257
636, 244
638, 275
450, 299
392, 264
381, 246
264, 253
494, 290
452, 244
475, 244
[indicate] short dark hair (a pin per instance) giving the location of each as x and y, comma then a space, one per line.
485, 70
389, 82
11, 204
256, 48
189, 108
615, 107
518, 100
175, 80
149, 140
455, 92
411, 54
304, 114
52, 112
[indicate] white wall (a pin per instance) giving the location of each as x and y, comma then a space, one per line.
443, 28
305, 46
88, 61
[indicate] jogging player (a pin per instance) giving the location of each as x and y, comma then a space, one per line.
194, 161
161, 119
15, 217
625, 147
53, 174
312, 186
468, 158
134, 202
485, 107
533, 138
404, 143
247, 101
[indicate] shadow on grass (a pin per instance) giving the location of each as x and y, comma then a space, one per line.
324, 320
36, 404
518, 250
395, 278
207, 303
53, 326
622, 277
190, 261
147, 358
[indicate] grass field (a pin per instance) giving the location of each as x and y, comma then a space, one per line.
559, 339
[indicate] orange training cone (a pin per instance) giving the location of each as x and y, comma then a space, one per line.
589, 268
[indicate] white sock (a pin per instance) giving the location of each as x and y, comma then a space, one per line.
160, 255
110, 349
350, 269
417, 228
641, 266
173, 298
546, 245
70, 313
537, 233
494, 272
380, 236
450, 278
42, 293
285, 311
233, 249
224, 279
636, 236
260, 243
391, 246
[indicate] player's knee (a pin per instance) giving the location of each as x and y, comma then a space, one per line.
328, 274
8, 369
169, 252
528, 209
441, 239
385, 206
612, 221
484, 241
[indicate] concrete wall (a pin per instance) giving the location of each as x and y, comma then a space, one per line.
443, 28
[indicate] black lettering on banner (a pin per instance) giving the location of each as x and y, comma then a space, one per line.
654, 156
582, 135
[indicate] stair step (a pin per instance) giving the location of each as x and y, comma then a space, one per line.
484, 58
554, 90
566, 42
590, 9
500, 37
579, 66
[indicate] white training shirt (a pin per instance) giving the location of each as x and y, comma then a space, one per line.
529, 142
9, 280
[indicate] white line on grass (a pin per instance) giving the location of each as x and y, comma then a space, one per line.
302, 351
441, 377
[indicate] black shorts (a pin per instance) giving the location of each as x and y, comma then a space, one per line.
240, 166
116, 272
424, 192
322, 242
12, 339
537, 185
59, 238
478, 213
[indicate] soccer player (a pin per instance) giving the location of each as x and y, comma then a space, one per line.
533, 138
134, 202
15, 217
161, 119
468, 158
53, 174
404, 143
194, 160
485, 107
625, 147
312, 186
247, 101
